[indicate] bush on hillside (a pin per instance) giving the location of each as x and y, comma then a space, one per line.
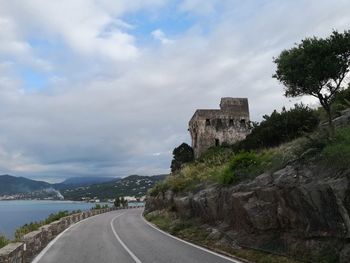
245, 165
280, 127
336, 153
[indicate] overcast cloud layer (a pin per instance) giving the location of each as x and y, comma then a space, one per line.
107, 87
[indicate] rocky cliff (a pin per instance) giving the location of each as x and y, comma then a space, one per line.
299, 211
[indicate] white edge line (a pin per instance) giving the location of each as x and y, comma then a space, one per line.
188, 243
132, 255
43, 252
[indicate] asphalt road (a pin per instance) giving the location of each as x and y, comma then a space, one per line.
122, 237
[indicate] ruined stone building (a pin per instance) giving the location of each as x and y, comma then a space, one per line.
213, 127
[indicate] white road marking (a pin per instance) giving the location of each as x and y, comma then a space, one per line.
42, 253
132, 255
188, 243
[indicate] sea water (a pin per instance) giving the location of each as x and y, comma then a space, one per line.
14, 214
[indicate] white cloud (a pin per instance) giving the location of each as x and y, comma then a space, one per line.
159, 35
115, 108
198, 6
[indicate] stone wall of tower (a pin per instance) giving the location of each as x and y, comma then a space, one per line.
210, 128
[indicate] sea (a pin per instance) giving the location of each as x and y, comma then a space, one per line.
16, 213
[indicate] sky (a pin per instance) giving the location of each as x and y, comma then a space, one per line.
106, 88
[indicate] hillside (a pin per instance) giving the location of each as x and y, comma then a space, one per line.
74, 182
290, 200
14, 185
133, 185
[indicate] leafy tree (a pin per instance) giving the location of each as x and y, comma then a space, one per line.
280, 127
316, 67
123, 202
341, 101
117, 202
181, 155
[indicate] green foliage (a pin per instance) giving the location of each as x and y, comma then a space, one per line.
341, 101
33, 226
336, 153
245, 165
217, 155
315, 67
3, 241
280, 127
181, 155
117, 202
160, 187
25, 229
97, 206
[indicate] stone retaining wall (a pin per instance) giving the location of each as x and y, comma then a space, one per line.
33, 242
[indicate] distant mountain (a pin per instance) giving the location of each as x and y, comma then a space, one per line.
133, 185
10, 185
77, 187
84, 181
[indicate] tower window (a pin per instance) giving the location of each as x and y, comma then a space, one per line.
242, 122
218, 124
207, 122
231, 123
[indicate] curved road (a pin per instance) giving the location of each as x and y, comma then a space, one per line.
122, 236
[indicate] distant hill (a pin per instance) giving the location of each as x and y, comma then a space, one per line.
10, 185
77, 187
83, 181
133, 185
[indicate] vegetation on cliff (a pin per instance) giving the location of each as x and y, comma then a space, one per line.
291, 132
192, 230
3, 241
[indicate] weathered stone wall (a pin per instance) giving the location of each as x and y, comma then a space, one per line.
33, 242
215, 127
298, 211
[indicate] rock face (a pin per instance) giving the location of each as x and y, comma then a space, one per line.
297, 211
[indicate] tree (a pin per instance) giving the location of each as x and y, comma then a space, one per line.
280, 127
117, 202
316, 67
181, 155
123, 202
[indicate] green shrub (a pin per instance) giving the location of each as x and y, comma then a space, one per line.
3, 241
217, 155
280, 127
25, 229
336, 153
33, 226
97, 206
160, 187
245, 165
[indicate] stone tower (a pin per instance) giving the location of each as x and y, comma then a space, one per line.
213, 127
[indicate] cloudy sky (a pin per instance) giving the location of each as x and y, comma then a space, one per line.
107, 87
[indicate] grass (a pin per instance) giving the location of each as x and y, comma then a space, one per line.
337, 152
3, 241
193, 232
33, 226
